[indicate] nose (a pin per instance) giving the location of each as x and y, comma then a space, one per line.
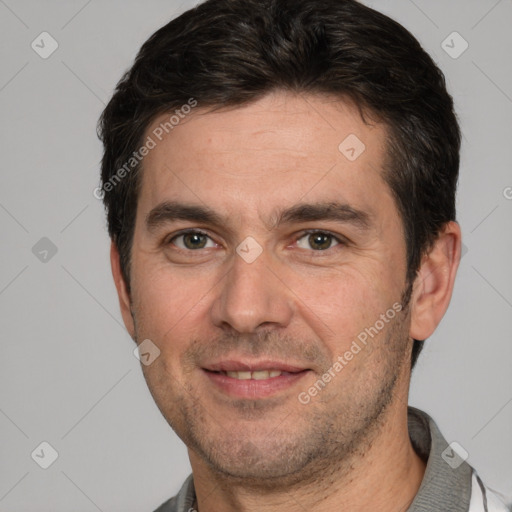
252, 296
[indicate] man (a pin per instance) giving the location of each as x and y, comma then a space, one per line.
279, 178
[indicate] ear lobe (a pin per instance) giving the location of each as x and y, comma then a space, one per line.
434, 282
122, 290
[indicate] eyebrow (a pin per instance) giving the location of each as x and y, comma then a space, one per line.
170, 211
340, 212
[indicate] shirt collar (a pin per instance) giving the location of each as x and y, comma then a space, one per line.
446, 484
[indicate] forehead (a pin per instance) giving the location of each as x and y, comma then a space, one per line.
272, 153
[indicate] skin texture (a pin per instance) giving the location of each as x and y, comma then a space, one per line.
348, 447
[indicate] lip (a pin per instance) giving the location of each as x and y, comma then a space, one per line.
252, 388
234, 365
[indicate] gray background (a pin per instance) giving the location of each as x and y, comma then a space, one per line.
68, 375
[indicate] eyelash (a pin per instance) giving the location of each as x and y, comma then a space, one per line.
340, 241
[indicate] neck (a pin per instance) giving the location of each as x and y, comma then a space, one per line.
385, 475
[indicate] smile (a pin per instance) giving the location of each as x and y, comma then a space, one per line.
253, 380
256, 375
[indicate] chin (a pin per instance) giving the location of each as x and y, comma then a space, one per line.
262, 460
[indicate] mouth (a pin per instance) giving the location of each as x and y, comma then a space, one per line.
256, 375
253, 380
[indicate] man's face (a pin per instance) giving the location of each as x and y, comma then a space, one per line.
291, 310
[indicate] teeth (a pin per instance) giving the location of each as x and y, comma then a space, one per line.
260, 375
239, 375
257, 375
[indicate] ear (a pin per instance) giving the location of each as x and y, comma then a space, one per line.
433, 286
122, 290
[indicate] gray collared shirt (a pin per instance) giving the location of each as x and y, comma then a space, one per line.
448, 484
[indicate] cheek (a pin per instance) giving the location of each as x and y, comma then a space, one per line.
168, 304
341, 304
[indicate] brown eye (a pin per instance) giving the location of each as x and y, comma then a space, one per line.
319, 241
192, 240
